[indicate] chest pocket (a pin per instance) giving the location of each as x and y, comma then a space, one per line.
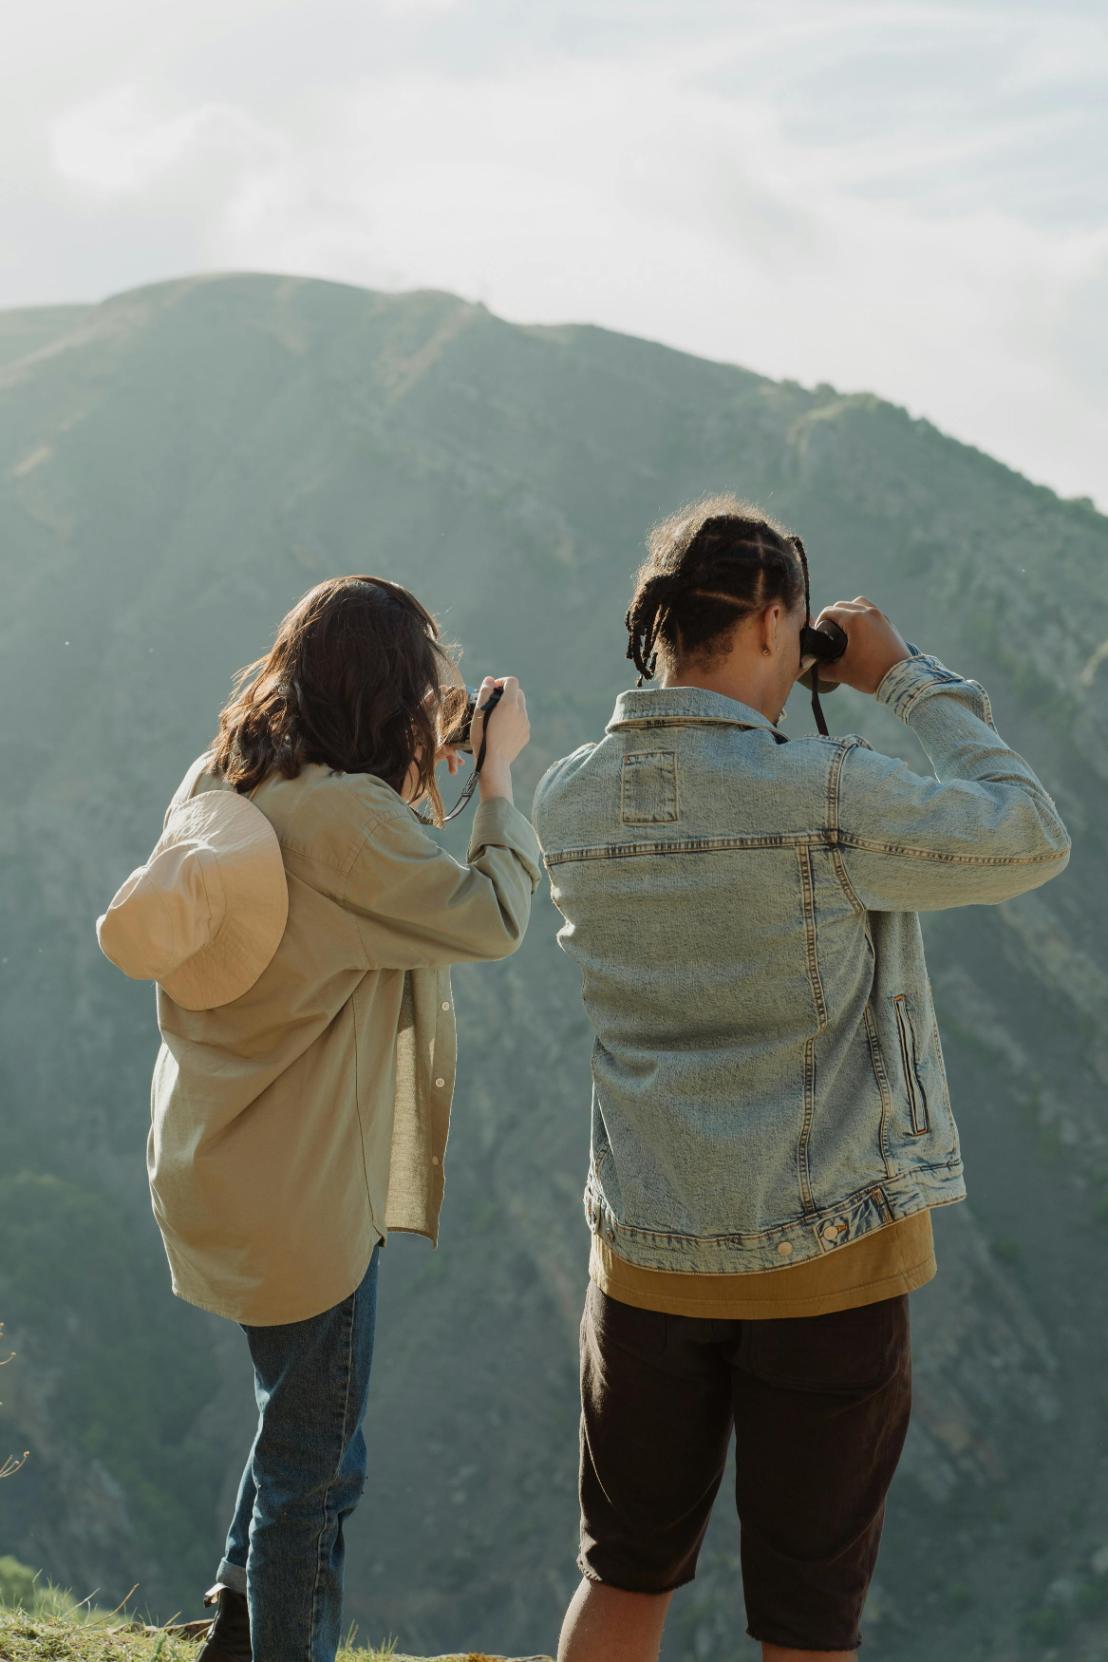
648, 787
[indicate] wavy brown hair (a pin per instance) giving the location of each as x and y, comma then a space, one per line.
357, 679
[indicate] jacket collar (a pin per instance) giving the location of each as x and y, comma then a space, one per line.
638, 705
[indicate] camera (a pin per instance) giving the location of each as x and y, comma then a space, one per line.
457, 732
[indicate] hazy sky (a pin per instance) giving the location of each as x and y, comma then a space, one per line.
908, 198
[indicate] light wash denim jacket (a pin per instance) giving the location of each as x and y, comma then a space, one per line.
768, 1083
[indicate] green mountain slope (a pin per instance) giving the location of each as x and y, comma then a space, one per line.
176, 466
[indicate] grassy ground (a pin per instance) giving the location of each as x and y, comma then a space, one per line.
73, 1636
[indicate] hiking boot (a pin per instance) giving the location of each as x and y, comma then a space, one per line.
228, 1638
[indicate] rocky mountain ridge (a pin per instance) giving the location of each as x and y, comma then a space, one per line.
176, 466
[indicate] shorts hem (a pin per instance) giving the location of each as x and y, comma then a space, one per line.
590, 1574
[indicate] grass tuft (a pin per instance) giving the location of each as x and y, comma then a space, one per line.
57, 1630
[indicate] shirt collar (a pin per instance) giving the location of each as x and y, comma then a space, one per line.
637, 705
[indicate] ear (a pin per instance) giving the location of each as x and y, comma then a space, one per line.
770, 622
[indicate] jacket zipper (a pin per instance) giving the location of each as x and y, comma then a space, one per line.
908, 1058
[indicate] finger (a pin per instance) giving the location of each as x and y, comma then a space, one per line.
842, 609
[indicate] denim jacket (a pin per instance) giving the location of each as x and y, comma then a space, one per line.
767, 1078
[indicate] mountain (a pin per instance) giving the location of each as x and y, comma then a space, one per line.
177, 465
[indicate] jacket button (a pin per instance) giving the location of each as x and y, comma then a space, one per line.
434, 1159
446, 1004
785, 1249
830, 1233
440, 1081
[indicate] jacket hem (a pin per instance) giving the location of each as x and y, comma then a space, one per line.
811, 1236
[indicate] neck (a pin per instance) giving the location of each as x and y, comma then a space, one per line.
733, 681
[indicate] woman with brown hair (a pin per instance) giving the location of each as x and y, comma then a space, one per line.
300, 925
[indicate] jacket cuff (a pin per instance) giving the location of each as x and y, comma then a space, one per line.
911, 678
498, 823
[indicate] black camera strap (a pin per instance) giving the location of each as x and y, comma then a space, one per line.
813, 674
471, 783
817, 710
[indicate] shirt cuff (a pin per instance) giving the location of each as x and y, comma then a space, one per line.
907, 680
498, 823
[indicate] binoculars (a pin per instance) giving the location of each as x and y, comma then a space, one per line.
817, 646
820, 646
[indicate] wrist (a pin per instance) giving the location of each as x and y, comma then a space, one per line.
883, 670
495, 778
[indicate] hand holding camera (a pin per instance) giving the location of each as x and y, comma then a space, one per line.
465, 732
507, 735
874, 644
509, 730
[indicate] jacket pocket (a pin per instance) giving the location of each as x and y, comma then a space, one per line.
648, 787
909, 1057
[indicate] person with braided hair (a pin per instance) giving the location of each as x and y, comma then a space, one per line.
771, 1127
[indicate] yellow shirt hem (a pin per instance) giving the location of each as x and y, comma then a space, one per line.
898, 1258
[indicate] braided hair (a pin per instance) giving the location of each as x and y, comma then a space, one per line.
708, 566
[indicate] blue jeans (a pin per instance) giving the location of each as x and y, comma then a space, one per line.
304, 1476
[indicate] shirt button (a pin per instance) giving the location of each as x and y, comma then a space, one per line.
785, 1249
446, 1004
434, 1159
440, 1082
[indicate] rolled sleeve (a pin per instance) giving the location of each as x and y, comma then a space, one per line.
980, 830
418, 907
498, 823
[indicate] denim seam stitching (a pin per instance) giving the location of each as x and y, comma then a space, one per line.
849, 840
687, 845
791, 839
808, 901
929, 688
952, 1166
348, 1370
839, 866
954, 1149
804, 1174
803, 1151
884, 1091
834, 780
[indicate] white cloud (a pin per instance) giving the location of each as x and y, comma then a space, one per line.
418, 8
118, 143
892, 196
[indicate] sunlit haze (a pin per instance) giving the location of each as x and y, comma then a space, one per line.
906, 198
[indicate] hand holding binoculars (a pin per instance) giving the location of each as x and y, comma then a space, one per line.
820, 646
858, 630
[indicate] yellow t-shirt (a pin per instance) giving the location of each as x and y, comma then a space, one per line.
897, 1258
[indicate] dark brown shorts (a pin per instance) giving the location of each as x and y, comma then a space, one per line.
820, 1408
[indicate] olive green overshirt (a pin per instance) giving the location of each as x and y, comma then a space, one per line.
294, 1127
